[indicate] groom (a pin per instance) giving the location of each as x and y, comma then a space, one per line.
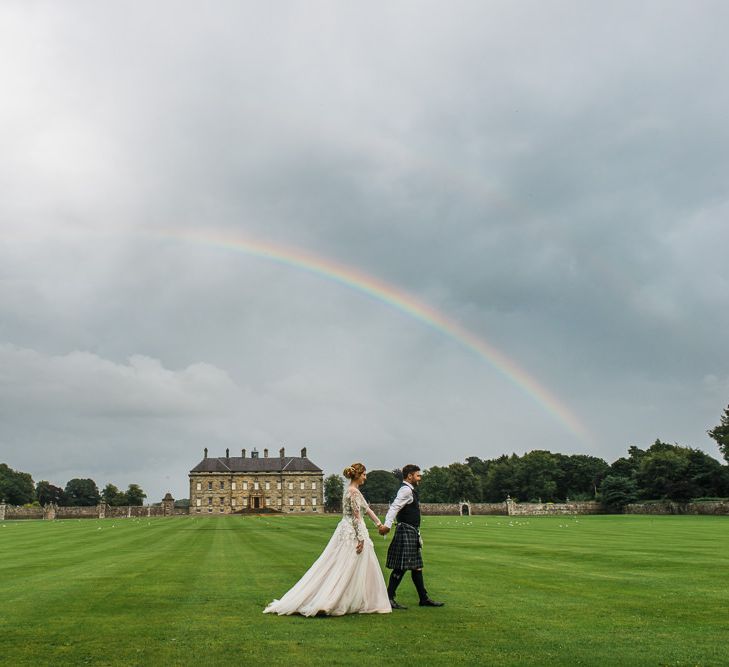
404, 552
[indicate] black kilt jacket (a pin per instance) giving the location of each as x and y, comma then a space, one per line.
404, 552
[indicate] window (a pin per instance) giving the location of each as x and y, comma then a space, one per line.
245, 486
301, 485
313, 486
268, 501
291, 486
245, 502
210, 509
268, 486
278, 486
210, 486
232, 486
210, 501
222, 485
303, 502
222, 509
198, 502
232, 502
222, 500
291, 500
255, 486
280, 502
199, 486
313, 501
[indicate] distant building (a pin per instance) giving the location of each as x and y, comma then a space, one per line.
237, 484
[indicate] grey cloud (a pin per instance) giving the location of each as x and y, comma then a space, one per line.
552, 177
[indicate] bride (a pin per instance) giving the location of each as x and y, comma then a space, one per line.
346, 578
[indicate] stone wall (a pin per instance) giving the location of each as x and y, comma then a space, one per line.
711, 507
17, 513
513, 508
549, 509
128, 512
510, 508
78, 512
102, 511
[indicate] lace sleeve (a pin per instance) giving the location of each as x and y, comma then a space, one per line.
353, 513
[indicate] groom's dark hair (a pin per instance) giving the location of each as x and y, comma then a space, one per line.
410, 467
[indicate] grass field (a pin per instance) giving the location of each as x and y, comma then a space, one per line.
599, 590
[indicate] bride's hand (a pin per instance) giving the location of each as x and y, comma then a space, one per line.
360, 546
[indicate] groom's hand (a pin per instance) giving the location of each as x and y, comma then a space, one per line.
383, 529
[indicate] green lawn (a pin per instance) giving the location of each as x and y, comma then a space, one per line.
593, 590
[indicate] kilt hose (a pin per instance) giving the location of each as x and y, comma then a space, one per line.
404, 552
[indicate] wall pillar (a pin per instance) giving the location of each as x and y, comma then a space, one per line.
510, 506
2, 511
168, 504
49, 512
102, 510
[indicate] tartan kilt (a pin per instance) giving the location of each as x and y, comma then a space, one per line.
404, 552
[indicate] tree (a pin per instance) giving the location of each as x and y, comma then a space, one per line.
333, 492
461, 483
663, 474
536, 475
479, 466
617, 492
47, 493
16, 488
134, 495
112, 496
82, 493
720, 434
580, 475
501, 479
433, 486
707, 475
381, 486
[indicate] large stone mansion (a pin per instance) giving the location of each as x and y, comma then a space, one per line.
231, 484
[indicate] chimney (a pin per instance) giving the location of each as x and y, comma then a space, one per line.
254, 453
206, 453
281, 452
265, 453
227, 453
243, 453
303, 452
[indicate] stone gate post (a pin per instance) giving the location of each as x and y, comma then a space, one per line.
2, 511
168, 504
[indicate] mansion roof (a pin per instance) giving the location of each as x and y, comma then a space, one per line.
275, 464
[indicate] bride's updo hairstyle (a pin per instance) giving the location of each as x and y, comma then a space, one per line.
353, 471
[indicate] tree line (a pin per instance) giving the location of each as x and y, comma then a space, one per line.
18, 488
661, 472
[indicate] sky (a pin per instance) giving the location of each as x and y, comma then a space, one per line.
388, 232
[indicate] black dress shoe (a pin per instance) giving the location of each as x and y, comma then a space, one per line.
430, 603
396, 605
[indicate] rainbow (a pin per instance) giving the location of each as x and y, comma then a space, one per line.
399, 299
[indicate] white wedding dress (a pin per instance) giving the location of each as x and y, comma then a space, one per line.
341, 581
